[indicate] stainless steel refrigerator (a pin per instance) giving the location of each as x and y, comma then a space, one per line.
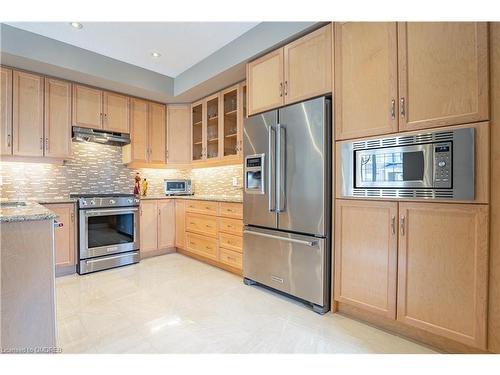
287, 201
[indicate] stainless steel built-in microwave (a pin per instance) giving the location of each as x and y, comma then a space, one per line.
437, 165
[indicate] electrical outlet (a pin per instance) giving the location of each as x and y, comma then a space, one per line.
235, 181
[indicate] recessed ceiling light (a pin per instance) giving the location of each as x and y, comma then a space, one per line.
155, 54
76, 25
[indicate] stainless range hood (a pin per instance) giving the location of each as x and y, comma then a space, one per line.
100, 136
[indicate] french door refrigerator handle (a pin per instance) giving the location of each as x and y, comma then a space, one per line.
281, 168
294, 240
270, 161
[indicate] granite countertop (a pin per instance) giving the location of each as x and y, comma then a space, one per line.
30, 211
55, 200
215, 198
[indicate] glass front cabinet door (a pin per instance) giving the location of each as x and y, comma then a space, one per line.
230, 124
197, 126
212, 136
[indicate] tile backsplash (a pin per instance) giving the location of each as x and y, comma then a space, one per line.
98, 168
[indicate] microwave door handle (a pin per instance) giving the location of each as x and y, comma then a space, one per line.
270, 173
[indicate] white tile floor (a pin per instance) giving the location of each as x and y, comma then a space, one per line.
174, 304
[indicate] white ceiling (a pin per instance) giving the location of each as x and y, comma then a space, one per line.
181, 44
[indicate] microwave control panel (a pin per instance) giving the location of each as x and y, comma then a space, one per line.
443, 165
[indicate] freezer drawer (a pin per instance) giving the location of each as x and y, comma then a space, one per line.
294, 264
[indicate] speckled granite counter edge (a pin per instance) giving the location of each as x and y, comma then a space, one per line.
196, 198
32, 211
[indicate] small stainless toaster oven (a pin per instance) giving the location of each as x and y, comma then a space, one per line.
178, 187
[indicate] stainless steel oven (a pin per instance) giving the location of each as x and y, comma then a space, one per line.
437, 165
108, 229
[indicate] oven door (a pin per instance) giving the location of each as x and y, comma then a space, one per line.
108, 231
395, 167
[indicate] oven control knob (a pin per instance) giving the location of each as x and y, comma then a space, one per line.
441, 164
92, 202
130, 201
84, 203
112, 201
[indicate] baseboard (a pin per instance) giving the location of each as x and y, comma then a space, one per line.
395, 327
65, 270
212, 262
154, 253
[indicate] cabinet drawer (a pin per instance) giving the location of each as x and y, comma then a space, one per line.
231, 226
202, 224
230, 241
231, 210
201, 245
231, 258
202, 207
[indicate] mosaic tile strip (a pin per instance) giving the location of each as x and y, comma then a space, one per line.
98, 168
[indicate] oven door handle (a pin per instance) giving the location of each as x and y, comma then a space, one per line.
111, 211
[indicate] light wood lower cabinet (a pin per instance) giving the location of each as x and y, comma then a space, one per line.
442, 265
157, 226
366, 245
64, 236
180, 223
202, 245
443, 270
208, 235
166, 224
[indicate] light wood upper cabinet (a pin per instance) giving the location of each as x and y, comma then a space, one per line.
180, 224
366, 255
197, 131
166, 223
265, 82
157, 129
443, 73
27, 114
116, 112
139, 130
231, 126
64, 237
5, 111
300, 70
308, 66
212, 132
178, 135
57, 124
366, 96
149, 226
87, 107
443, 270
